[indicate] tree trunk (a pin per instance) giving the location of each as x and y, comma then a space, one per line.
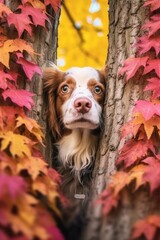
125, 21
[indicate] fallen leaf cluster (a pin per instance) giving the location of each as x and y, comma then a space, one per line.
139, 159
29, 195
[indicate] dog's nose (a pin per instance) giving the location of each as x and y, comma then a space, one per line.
82, 105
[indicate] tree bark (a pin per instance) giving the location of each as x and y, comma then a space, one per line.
125, 21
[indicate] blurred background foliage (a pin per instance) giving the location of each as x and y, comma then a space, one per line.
83, 34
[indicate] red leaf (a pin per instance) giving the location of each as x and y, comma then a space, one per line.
147, 108
3, 79
147, 227
152, 25
11, 186
29, 68
152, 173
134, 150
21, 22
20, 97
108, 200
145, 44
153, 64
54, 3
154, 4
37, 15
132, 65
54, 175
153, 85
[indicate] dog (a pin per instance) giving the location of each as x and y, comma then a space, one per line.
74, 100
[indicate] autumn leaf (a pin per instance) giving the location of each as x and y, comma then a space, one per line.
149, 125
108, 200
136, 174
18, 144
147, 108
154, 4
145, 44
33, 165
4, 77
35, 4
37, 15
153, 65
11, 186
146, 227
31, 125
54, 3
129, 128
21, 22
132, 65
152, 25
152, 173
11, 46
118, 182
29, 68
20, 97
4, 9
134, 151
153, 85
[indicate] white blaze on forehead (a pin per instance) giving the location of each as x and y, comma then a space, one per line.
82, 75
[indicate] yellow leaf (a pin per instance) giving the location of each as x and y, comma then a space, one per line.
18, 145
136, 174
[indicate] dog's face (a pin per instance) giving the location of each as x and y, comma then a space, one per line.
75, 97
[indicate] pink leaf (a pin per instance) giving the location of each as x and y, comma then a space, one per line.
132, 65
153, 85
147, 108
54, 3
21, 22
20, 97
29, 67
153, 64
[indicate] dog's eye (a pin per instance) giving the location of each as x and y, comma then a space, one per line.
98, 90
65, 89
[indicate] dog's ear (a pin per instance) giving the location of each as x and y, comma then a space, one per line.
103, 74
52, 77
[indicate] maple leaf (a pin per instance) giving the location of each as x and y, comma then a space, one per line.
11, 186
4, 9
152, 25
152, 172
37, 15
54, 175
54, 3
31, 125
132, 65
153, 64
33, 165
136, 174
153, 85
118, 181
35, 4
20, 97
8, 117
147, 108
134, 150
149, 125
11, 46
146, 227
3, 79
154, 4
18, 144
29, 68
129, 129
7, 162
108, 200
21, 22
145, 44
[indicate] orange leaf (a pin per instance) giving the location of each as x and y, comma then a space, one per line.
35, 4
118, 181
136, 174
11, 46
31, 125
33, 165
4, 9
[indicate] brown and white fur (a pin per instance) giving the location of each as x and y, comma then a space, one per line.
74, 100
